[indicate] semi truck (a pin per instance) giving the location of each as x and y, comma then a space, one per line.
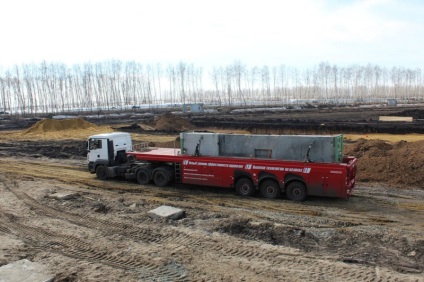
296, 166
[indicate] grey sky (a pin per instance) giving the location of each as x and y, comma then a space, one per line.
298, 33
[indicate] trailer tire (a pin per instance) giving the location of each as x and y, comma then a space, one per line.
244, 187
269, 189
161, 178
143, 177
101, 172
296, 191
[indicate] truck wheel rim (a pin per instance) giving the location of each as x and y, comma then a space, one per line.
297, 192
270, 190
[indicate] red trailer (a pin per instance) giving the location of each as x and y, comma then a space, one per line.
270, 177
296, 179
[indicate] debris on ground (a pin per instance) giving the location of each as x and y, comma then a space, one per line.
63, 196
101, 208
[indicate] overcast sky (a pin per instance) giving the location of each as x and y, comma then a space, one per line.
298, 33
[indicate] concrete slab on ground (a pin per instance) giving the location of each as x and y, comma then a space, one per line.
25, 270
63, 195
167, 212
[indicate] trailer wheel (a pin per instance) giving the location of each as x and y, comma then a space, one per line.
143, 177
296, 191
101, 172
269, 189
244, 187
161, 178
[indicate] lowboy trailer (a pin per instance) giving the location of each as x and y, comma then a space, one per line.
111, 155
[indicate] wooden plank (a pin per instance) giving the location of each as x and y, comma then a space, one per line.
394, 118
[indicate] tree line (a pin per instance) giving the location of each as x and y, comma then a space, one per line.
114, 84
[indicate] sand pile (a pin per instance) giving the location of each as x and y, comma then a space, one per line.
170, 122
400, 164
53, 125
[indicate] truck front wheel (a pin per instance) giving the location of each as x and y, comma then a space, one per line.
296, 191
270, 189
245, 188
161, 178
101, 172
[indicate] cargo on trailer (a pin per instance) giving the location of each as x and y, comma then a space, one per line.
312, 148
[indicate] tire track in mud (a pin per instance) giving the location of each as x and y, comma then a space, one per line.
181, 243
155, 239
76, 248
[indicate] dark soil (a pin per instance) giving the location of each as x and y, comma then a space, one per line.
64, 149
317, 121
414, 113
358, 247
310, 120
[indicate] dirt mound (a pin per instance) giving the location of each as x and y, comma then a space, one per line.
400, 164
53, 125
170, 122
135, 127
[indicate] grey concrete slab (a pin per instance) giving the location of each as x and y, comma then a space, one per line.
63, 195
167, 212
323, 148
25, 271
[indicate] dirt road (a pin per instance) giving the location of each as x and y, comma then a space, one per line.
104, 232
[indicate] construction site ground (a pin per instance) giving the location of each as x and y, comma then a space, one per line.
103, 232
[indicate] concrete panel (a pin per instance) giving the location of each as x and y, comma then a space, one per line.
207, 143
24, 270
324, 148
64, 195
167, 212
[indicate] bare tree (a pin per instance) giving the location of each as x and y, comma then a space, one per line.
172, 83
159, 78
215, 80
265, 83
5, 86
48, 87
238, 71
182, 75
335, 75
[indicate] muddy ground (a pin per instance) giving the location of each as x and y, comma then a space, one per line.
318, 120
103, 233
